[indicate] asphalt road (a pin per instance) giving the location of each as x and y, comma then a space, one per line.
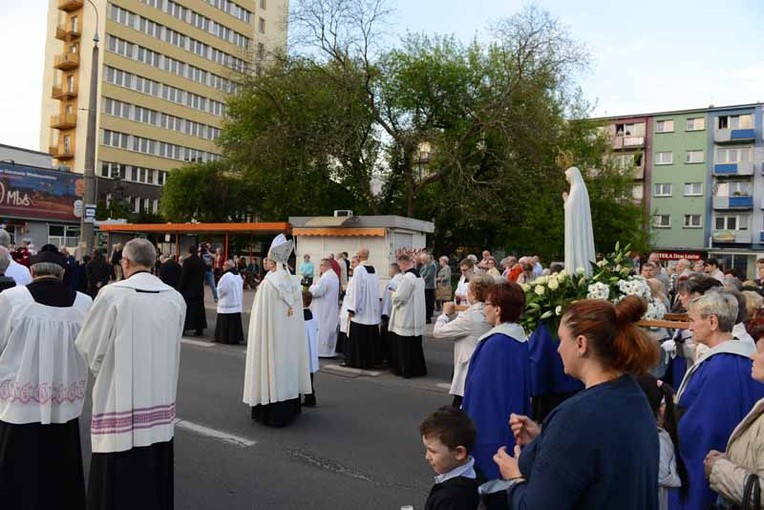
359, 449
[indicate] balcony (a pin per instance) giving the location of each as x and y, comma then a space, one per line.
733, 169
62, 93
66, 61
67, 32
628, 142
733, 202
734, 135
61, 153
732, 236
70, 5
638, 171
63, 121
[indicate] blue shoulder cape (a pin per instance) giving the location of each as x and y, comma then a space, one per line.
497, 385
718, 395
547, 373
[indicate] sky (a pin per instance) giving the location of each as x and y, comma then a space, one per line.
646, 56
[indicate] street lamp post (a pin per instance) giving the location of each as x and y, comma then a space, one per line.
88, 212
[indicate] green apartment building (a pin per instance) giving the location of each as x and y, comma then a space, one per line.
680, 187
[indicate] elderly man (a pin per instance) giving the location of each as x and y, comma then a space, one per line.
43, 381
407, 322
131, 342
19, 273
6, 282
363, 348
325, 308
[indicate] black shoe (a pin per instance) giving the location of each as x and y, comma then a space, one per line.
199, 333
309, 401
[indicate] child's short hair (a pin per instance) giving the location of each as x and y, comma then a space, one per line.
307, 298
452, 426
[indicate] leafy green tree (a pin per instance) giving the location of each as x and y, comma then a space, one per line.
207, 192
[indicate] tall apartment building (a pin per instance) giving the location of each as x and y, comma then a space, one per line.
164, 71
632, 138
706, 181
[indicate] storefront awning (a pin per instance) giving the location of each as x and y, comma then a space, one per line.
191, 228
339, 232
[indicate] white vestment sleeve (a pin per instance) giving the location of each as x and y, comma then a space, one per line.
319, 288
454, 330
96, 334
5, 322
358, 285
403, 292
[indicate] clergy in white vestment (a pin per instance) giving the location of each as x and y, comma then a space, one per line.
131, 342
325, 308
387, 306
407, 321
43, 382
364, 310
579, 238
228, 329
277, 369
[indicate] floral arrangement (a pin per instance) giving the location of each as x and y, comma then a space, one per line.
612, 279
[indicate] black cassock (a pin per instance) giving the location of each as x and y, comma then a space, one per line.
191, 286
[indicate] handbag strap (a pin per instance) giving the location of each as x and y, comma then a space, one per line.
751, 493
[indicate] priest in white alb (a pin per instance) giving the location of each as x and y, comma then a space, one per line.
277, 369
363, 348
43, 382
131, 342
407, 320
325, 308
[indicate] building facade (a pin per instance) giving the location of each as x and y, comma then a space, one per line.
705, 176
165, 68
679, 180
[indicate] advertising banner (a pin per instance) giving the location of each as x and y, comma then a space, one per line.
38, 193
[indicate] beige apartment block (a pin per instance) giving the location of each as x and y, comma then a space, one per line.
165, 69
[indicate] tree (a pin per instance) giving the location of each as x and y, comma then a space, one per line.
466, 135
206, 192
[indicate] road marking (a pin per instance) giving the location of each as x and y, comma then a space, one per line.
215, 434
197, 343
356, 371
444, 385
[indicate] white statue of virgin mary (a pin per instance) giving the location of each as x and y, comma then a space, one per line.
579, 238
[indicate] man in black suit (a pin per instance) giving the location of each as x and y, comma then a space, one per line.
191, 286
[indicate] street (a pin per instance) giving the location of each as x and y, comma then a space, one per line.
359, 449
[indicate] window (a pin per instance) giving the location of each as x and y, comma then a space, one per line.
733, 155
67, 144
262, 4
662, 190
69, 83
733, 189
693, 189
75, 24
692, 221
63, 235
731, 222
261, 25
662, 221
664, 158
260, 50
696, 124
694, 157
735, 121
664, 126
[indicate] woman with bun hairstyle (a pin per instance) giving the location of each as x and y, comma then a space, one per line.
598, 449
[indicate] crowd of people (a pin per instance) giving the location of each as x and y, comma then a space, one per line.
626, 440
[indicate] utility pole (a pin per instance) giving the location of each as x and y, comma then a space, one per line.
88, 210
